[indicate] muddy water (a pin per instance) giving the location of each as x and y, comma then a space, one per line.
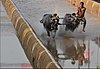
70, 49
75, 52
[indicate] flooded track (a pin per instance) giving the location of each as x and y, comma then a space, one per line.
76, 50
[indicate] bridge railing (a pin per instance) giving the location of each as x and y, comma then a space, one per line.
35, 51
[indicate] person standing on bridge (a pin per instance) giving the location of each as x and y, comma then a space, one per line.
80, 14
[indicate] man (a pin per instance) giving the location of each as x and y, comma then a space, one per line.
55, 16
55, 21
80, 14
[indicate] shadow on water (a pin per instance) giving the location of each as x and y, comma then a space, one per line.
75, 52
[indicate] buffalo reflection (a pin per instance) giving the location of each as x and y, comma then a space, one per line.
51, 46
97, 41
70, 51
75, 52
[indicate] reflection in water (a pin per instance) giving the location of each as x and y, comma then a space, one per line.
97, 41
82, 55
78, 53
51, 46
70, 50
81, 47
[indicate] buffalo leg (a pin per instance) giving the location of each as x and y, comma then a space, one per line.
54, 33
48, 33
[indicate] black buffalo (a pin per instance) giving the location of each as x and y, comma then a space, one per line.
47, 23
71, 22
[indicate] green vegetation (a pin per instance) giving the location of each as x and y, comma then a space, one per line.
98, 67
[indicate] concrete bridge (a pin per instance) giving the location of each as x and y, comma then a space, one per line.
43, 52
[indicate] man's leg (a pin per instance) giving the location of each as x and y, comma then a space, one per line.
84, 25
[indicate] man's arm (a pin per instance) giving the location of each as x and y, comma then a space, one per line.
83, 10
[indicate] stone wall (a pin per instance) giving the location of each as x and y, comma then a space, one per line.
36, 53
